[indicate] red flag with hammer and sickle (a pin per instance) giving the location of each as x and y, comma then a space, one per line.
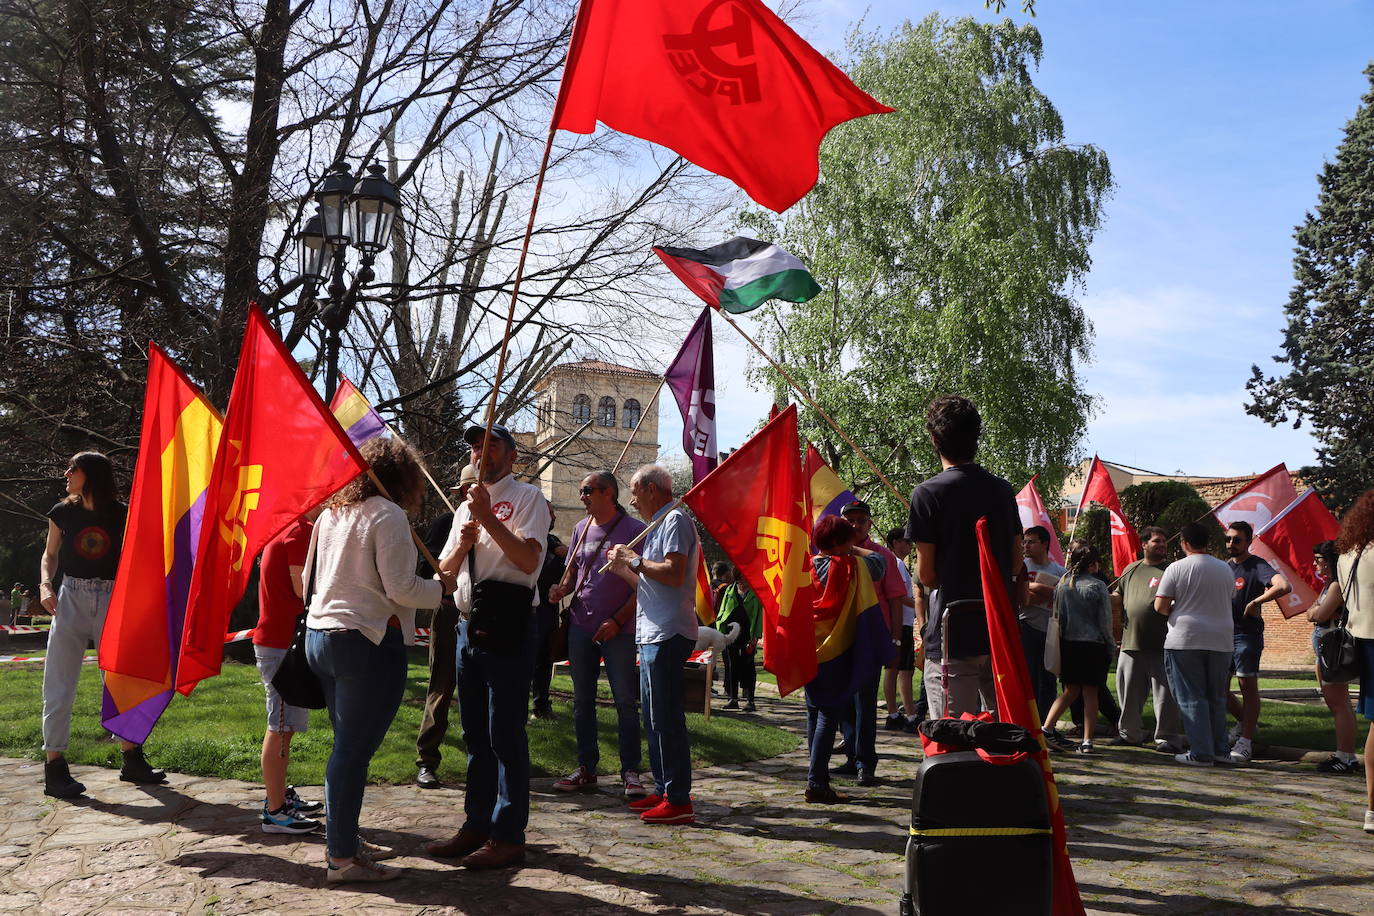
281, 453
723, 83
754, 506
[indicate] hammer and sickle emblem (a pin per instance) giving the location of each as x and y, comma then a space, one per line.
694, 55
231, 526
784, 548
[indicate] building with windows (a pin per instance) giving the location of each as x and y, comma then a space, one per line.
585, 412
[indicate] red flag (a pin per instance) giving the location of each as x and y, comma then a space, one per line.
1032, 510
753, 505
281, 453
1100, 489
723, 83
1260, 500
1287, 543
1016, 704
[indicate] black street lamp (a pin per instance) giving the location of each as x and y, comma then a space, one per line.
351, 211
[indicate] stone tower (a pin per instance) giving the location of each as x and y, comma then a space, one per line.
555, 456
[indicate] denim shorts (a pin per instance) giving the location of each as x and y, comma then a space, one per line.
1364, 654
1245, 656
281, 716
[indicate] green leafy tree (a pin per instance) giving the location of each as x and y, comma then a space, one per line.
1328, 344
1170, 504
950, 239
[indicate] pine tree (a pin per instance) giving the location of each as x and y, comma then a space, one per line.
1329, 342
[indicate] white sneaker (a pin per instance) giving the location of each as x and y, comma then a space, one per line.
1369, 822
360, 869
1241, 753
1189, 761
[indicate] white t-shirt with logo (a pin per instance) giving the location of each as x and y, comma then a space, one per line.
1201, 586
523, 509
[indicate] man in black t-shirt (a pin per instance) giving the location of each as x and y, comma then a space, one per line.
1256, 583
944, 511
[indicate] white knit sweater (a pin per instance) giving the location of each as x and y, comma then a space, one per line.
363, 562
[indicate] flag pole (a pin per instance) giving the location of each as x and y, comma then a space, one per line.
424, 469
651, 526
662, 380
813, 405
515, 292
424, 550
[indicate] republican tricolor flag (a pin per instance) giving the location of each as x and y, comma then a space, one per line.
142, 633
281, 453
826, 494
355, 414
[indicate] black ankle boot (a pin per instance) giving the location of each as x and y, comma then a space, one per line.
137, 769
58, 782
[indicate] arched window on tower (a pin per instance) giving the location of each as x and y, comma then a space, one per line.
629, 416
582, 409
605, 412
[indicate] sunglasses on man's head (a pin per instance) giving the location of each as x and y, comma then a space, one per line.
588, 491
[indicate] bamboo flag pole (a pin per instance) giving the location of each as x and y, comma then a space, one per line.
424, 550
813, 405
424, 469
663, 379
651, 526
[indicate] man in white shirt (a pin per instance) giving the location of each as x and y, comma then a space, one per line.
496, 547
899, 673
1195, 594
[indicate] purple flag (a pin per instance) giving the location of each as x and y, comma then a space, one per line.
692, 376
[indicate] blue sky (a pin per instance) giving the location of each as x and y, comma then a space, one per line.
1216, 117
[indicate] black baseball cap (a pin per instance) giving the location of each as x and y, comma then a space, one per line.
857, 505
475, 433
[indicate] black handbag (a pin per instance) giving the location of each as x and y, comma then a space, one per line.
294, 680
1336, 659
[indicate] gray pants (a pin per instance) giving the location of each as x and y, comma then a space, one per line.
969, 678
1139, 671
81, 607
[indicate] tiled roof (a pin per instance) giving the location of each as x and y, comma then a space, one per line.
602, 367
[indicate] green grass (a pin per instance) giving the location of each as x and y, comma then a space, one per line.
217, 731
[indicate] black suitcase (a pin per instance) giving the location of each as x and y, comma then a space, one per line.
980, 838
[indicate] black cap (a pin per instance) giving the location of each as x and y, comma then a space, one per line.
473, 433
857, 505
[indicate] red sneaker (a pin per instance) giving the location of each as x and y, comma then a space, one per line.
647, 802
668, 813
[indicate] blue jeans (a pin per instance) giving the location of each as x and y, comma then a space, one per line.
821, 723
662, 685
363, 685
1198, 679
493, 704
1044, 686
584, 656
859, 725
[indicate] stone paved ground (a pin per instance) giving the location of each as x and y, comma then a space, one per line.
1147, 836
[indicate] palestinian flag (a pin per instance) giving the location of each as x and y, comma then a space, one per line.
740, 274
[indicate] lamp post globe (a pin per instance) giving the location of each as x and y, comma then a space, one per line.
314, 252
332, 197
373, 206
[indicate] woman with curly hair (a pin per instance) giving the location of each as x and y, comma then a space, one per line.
85, 534
1086, 643
1355, 571
361, 617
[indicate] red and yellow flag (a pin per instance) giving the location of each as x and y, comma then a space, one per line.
706, 599
142, 634
1016, 703
282, 452
753, 504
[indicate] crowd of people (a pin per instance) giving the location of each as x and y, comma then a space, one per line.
352, 571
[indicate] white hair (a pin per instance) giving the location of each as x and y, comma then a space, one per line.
653, 474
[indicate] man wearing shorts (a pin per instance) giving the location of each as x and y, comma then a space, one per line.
280, 603
1256, 583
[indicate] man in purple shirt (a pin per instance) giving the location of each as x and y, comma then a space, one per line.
602, 627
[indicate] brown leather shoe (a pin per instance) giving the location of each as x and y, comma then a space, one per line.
495, 854
463, 843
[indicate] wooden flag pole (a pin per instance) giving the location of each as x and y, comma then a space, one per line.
813, 405
515, 294
651, 526
662, 380
424, 550
424, 469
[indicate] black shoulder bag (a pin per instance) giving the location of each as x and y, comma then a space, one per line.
294, 680
1336, 658
501, 612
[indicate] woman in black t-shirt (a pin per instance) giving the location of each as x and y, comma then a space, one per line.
85, 533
